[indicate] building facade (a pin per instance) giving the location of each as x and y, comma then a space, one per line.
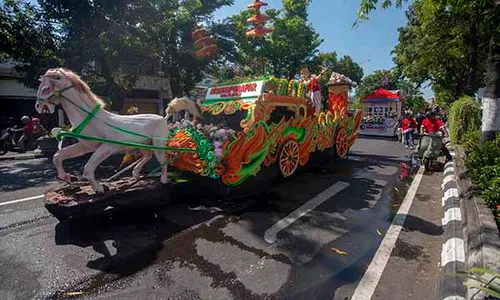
150, 95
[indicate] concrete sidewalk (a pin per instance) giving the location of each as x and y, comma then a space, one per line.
413, 270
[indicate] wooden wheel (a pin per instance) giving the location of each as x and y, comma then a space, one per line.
341, 145
288, 160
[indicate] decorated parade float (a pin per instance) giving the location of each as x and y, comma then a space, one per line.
381, 112
245, 133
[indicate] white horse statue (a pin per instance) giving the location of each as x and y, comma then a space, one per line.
100, 131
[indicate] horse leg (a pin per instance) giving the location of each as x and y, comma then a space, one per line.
72, 151
161, 130
100, 155
146, 157
162, 159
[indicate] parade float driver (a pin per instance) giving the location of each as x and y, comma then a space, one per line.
314, 88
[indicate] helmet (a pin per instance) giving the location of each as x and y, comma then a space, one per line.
25, 119
35, 120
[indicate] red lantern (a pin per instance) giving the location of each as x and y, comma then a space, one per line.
258, 19
257, 5
205, 45
258, 32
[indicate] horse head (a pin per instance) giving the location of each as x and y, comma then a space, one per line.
52, 84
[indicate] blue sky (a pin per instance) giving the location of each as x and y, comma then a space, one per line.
373, 40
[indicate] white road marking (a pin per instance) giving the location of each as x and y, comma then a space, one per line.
452, 214
450, 193
453, 250
22, 200
448, 164
447, 179
270, 235
369, 282
454, 298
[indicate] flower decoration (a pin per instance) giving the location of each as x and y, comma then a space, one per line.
217, 134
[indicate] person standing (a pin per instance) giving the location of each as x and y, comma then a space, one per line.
314, 88
419, 119
408, 126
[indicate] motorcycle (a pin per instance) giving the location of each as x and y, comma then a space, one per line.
8, 141
429, 149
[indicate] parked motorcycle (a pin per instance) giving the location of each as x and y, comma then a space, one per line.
429, 149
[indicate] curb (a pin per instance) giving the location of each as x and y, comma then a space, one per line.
21, 157
453, 250
481, 231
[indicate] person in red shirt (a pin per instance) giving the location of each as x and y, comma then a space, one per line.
28, 130
432, 125
408, 126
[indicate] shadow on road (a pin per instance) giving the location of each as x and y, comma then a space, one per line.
127, 241
414, 223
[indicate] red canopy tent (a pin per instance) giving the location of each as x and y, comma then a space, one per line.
383, 95
382, 109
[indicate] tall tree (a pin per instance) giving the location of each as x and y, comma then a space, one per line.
105, 38
491, 100
292, 43
27, 37
437, 43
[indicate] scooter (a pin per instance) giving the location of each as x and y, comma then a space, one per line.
8, 141
429, 149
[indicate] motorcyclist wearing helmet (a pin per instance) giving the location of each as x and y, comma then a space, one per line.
431, 125
27, 130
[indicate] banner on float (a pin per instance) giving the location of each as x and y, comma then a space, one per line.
247, 90
387, 127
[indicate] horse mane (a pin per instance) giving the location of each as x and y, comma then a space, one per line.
80, 85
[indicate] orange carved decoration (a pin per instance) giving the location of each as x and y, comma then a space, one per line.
187, 161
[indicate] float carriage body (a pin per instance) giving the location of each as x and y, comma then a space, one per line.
247, 129
251, 126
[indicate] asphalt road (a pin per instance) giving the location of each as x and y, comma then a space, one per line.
335, 212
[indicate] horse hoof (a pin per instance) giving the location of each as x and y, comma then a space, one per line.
100, 189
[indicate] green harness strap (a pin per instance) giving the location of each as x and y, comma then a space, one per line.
62, 135
76, 133
86, 121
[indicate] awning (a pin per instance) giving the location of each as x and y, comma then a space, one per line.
382, 95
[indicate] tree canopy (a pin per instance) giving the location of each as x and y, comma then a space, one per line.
103, 38
292, 43
446, 44
100, 38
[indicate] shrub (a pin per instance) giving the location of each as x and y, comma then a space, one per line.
464, 117
483, 165
471, 140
